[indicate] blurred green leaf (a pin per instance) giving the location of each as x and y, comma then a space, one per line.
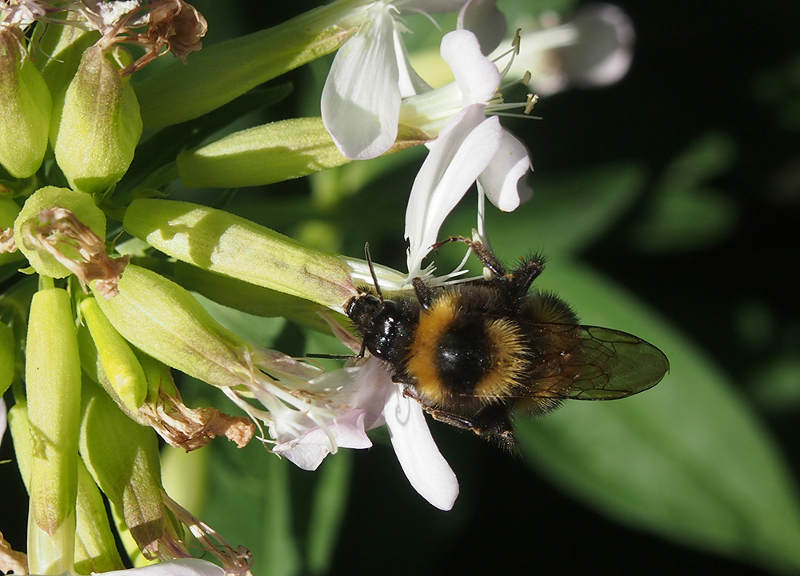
249, 504
252, 328
565, 213
775, 386
328, 510
687, 460
686, 213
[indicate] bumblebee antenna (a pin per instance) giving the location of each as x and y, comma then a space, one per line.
372, 271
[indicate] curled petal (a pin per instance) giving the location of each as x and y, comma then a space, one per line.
409, 82
477, 76
306, 443
484, 19
374, 386
181, 567
457, 157
361, 97
504, 177
423, 464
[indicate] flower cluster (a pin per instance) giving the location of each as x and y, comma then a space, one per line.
104, 316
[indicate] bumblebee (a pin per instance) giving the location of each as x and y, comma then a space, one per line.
473, 353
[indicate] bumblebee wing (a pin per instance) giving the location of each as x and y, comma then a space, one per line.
592, 363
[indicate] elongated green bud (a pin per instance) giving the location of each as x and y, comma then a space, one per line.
95, 549
122, 457
221, 242
25, 106
96, 125
272, 153
221, 72
53, 384
165, 321
40, 256
8, 349
123, 372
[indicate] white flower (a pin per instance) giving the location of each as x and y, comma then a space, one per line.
470, 147
181, 567
371, 73
595, 48
420, 459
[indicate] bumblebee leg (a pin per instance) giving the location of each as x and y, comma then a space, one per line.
424, 293
484, 253
523, 277
491, 424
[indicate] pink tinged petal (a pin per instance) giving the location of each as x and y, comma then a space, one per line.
361, 98
457, 157
373, 386
484, 19
504, 179
309, 447
409, 82
182, 567
3, 419
477, 76
423, 464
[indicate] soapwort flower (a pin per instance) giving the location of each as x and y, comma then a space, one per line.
371, 73
470, 147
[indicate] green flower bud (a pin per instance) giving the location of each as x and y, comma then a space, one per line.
272, 153
165, 321
223, 71
96, 125
81, 205
221, 242
95, 549
25, 106
8, 350
124, 374
59, 49
122, 457
53, 385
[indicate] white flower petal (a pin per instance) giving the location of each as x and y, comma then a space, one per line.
429, 6
457, 157
374, 385
604, 50
361, 98
504, 177
484, 19
409, 82
182, 567
423, 464
477, 76
306, 443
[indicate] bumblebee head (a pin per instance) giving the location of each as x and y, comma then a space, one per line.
382, 323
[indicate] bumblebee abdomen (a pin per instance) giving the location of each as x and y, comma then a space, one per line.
459, 358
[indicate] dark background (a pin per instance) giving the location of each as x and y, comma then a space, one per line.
730, 68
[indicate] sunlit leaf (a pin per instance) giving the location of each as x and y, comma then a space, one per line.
687, 459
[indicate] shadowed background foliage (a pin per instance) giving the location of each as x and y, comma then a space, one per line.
667, 206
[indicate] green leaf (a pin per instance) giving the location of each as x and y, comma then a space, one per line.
686, 213
328, 510
259, 517
565, 214
687, 459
